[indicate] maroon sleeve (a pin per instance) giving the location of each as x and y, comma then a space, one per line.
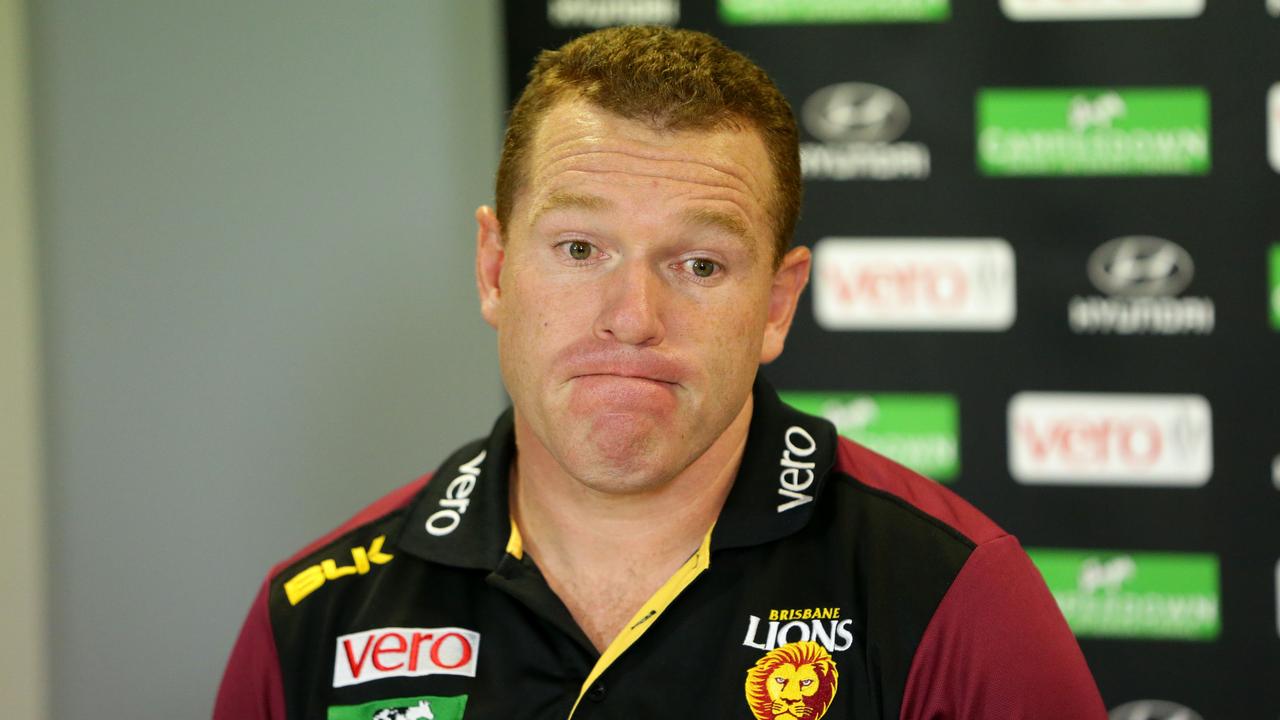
999, 648
251, 687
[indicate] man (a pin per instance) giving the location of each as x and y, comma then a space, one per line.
649, 532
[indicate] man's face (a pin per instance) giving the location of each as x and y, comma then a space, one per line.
635, 292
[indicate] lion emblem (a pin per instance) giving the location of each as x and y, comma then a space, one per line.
794, 682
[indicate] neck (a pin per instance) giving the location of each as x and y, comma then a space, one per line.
574, 530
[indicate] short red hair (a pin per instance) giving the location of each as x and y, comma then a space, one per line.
672, 79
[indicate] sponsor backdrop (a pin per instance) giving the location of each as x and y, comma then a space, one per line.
1047, 274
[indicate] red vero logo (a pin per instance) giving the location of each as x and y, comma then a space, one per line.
1110, 439
937, 285
404, 652
1134, 442
913, 284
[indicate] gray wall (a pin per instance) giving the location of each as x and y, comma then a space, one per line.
258, 307
24, 662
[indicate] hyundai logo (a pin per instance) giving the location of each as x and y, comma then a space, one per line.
1141, 266
1153, 710
855, 112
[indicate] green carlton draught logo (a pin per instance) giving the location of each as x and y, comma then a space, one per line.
1275, 287
1133, 595
425, 707
918, 430
1093, 131
768, 12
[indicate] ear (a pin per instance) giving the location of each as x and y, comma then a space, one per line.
784, 294
490, 255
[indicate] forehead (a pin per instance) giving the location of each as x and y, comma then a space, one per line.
577, 144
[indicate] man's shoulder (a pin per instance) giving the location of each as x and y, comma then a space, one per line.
922, 501
369, 533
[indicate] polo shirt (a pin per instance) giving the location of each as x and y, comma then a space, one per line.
835, 583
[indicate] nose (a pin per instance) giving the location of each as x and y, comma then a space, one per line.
631, 312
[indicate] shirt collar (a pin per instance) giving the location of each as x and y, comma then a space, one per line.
462, 517
784, 466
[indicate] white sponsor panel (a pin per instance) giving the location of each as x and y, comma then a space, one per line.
404, 652
603, 13
1100, 9
1110, 439
914, 284
1273, 126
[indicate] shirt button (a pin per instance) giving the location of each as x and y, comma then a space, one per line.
597, 693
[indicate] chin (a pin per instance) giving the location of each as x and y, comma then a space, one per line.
622, 484
605, 483
620, 467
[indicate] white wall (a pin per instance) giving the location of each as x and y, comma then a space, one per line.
257, 303
23, 663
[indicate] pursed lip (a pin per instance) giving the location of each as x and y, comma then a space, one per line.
628, 365
624, 375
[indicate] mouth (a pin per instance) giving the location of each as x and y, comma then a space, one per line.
625, 391
623, 376
612, 365
623, 388
626, 378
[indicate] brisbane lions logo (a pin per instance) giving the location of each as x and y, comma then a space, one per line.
794, 682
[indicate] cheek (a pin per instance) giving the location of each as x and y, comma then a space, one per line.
737, 323
519, 320
539, 316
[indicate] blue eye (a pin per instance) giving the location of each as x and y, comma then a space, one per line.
703, 267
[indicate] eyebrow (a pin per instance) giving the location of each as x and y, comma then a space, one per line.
728, 223
561, 200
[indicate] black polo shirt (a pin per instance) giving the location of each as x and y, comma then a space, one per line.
835, 583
